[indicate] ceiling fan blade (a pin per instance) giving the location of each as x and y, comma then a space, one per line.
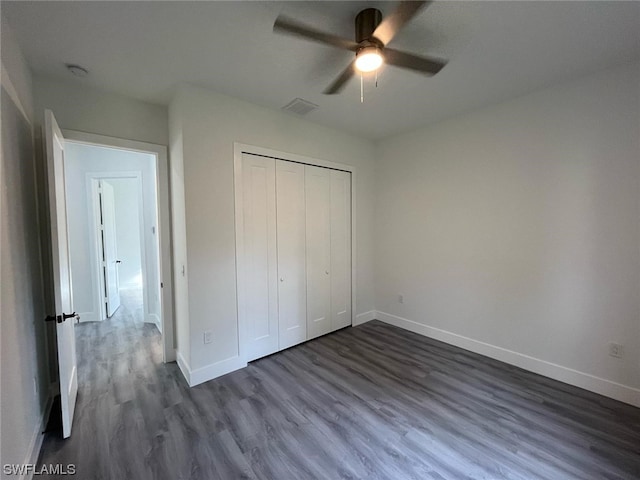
393, 23
340, 82
428, 65
291, 27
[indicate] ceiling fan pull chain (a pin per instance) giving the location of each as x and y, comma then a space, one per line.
361, 88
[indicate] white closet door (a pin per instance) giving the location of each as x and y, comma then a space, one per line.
260, 306
318, 228
340, 249
292, 295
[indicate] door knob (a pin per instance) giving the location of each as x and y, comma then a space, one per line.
282, 279
62, 318
118, 261
327, 272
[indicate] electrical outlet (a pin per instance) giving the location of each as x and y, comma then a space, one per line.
616, 350
400, 298
208, 337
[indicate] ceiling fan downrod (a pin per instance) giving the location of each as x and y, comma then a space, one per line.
366, 23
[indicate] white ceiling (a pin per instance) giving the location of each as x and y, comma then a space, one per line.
497, 50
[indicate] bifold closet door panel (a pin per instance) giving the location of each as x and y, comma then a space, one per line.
260, 274
318, 230
292, 294
340, 249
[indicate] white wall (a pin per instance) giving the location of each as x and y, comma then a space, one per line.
126, 193
518, 226
77, 107
24, 378
82, 160
209, 124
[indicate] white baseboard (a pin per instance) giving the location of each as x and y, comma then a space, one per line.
36, 440
155, 319
89, 317
208, 372
184, 367
589, 382
364, 317
171, 356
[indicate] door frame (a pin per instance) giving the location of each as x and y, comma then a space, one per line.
164, 223
92, 182
238, 150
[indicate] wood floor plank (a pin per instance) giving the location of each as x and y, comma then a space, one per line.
371, 402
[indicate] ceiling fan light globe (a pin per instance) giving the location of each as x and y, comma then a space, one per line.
368, 60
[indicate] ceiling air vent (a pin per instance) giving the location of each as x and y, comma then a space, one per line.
299, 106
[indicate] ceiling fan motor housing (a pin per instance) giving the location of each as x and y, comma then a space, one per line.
366, 23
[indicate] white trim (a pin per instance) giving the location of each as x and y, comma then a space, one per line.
238, 150
364, 317
214, 370
184, 367
573, 377
164, 222
239, 222
85, 138
208, 372
155, 319
33, 452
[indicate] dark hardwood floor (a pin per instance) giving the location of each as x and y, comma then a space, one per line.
372, 402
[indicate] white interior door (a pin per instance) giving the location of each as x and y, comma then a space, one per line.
340, 249
292, 294
318, 254
109, 248
65, 324
260, 270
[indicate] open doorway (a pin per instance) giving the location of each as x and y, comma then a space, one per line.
117, 226
76, 163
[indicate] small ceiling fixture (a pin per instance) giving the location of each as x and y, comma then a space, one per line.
368, 59
77, 70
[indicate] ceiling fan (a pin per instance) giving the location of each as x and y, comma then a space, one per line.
373, 33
